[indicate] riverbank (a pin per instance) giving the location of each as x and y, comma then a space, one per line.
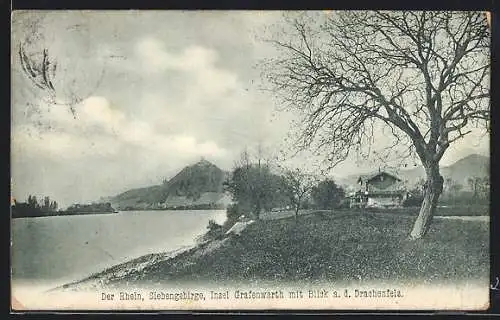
320, 246
64, 213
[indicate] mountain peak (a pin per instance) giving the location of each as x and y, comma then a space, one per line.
473, 157
204, 162
472, 160
198, 183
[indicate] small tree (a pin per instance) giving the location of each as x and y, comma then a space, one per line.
479, 187
297, 185
474, 185
456, 188
54, 205
448, 184
33, 202
46, 204
484, 187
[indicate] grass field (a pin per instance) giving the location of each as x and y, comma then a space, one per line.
452, 210
341, 246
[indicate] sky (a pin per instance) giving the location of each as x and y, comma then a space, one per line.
160, 91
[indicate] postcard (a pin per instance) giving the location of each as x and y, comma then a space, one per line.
250, 160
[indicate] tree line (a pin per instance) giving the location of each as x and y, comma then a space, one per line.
475, 190
34, 207
259, 186
91, 208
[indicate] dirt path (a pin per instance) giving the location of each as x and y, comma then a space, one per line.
465, 218
286, 214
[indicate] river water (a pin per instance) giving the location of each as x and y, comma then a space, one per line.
55, 250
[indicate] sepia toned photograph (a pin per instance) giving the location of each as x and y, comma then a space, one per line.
250, 160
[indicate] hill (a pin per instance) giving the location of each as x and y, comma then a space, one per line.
473, 165
196, 186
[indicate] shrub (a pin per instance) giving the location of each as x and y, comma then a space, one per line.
215, 231
213, 226
233, 212
343, 204
413, 201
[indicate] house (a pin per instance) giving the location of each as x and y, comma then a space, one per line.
378, 190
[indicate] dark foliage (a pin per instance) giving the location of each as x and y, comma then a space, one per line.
34, 207
327, 195
254, 189
90, 208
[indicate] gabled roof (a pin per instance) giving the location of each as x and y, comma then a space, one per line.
368, 177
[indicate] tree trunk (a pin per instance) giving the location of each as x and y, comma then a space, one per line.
257, 211
432, 190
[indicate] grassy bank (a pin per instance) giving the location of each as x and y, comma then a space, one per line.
451, 210
329, 246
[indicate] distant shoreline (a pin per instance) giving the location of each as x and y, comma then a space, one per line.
115, 212
173, 209
65, 214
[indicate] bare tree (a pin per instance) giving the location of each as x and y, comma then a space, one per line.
448, 184
478, 186
456, 188
423, 75
484, 187
298, 184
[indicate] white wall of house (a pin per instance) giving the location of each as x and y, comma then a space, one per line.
382, 202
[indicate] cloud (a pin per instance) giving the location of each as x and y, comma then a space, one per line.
196, 62
212, 100
156, 58
101, 130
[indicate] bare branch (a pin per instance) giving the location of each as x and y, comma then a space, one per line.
423, 74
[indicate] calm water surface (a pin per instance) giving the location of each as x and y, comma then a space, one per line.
65, 248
